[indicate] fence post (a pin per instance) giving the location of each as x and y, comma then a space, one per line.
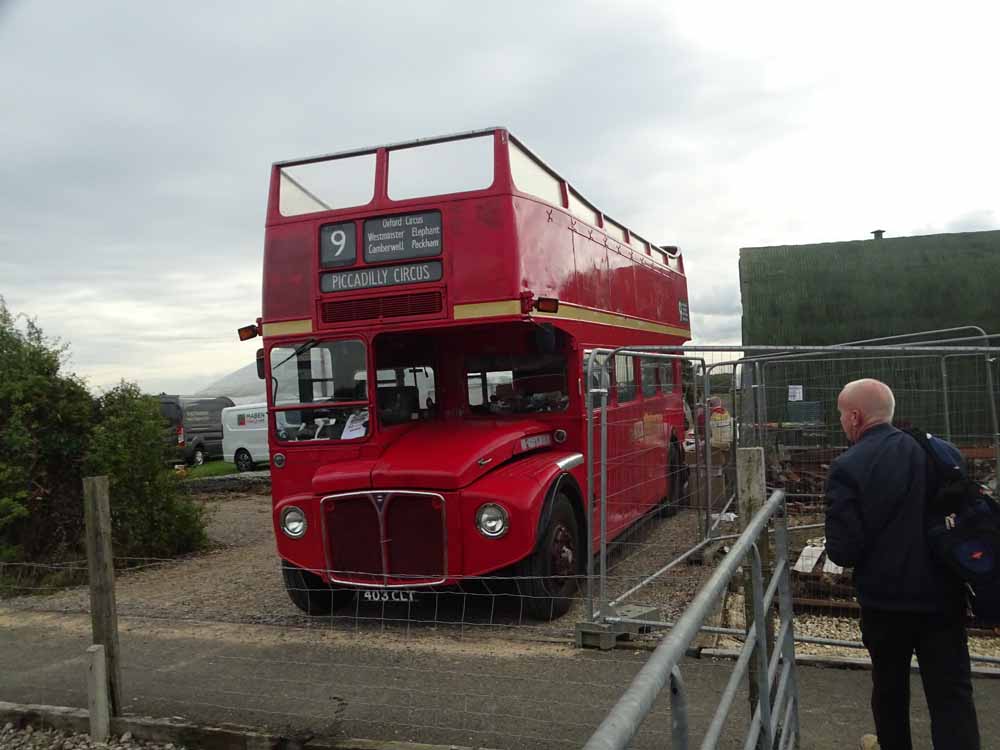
97, 694
748, 415
751, 486
100, 563
944, 396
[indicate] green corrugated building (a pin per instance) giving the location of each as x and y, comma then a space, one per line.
834, 292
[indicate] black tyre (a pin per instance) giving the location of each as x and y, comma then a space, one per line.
310, 593
548, 579
243, 460
676, 481
680, 474
198, 457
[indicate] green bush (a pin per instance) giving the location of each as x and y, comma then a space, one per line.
45, 421
149, 516
53, 433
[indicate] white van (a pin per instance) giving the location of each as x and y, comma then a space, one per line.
244, 435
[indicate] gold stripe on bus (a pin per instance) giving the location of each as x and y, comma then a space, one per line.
572, 312
288, 327
568, 312
488, 309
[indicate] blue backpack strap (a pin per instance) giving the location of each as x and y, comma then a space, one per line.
948, 457
945, 457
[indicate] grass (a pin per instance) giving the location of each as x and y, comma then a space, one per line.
210, 469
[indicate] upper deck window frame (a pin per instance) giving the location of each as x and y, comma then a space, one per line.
409, 152
297, 186
380, 200
508, 153
530, 176
581, 208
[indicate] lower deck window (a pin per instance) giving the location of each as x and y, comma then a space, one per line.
516, 384
314, 376
625, 378
405, 394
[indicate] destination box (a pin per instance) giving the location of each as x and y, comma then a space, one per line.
369, 278
338, 245
402, 237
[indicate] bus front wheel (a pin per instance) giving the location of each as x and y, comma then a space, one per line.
548, 578
310, 593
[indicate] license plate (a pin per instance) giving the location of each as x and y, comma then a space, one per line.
389, 596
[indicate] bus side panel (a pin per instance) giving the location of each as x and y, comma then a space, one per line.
651, 294
479, 249
289, 271
546, 246
621, 274
592, 271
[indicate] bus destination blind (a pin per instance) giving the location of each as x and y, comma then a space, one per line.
402, 237
369, 278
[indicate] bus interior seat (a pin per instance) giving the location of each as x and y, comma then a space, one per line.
397, 405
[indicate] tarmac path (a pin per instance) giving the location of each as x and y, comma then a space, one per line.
435, 687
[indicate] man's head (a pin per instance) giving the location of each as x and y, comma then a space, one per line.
864, 404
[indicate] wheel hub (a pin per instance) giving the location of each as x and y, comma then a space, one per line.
563, 553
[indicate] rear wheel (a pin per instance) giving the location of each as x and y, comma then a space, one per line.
310, 593
243, 460
676, 480
548, 578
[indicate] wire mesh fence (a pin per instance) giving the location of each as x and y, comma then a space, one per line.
217, 637
218, 634
787, 403
468, 670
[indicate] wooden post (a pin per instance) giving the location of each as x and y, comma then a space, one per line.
100, 562
752, 488
97, 694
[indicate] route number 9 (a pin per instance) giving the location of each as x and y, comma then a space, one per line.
338, 238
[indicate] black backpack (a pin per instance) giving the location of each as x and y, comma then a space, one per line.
963, 526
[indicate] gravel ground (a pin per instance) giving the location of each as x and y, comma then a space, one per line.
50, 739
239, 581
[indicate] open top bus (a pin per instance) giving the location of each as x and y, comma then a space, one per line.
427, 310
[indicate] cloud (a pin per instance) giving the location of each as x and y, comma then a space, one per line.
974, 221
138, 139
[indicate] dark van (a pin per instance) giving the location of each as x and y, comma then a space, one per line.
195, 426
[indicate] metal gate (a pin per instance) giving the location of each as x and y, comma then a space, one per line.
781, 400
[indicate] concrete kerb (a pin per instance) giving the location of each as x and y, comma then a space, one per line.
249, 481
226, 737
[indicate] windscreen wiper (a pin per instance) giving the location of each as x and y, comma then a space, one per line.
302, 348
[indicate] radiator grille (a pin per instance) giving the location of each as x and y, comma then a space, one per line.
387, 538
395, 306
355, 539
415, 536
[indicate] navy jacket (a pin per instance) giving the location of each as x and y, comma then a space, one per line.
875, 506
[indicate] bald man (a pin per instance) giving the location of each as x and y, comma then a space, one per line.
875, 502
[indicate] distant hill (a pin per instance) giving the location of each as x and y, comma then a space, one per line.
242, 386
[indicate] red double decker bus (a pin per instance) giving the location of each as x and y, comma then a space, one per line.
427, 308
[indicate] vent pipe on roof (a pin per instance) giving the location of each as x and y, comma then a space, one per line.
878, 233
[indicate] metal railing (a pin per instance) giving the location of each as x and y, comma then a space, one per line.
773, 720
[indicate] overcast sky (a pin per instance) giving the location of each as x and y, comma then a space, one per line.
137, 137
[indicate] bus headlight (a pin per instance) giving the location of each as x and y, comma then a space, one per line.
492, 521
293, 522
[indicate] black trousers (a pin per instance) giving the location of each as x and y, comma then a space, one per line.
942, 650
